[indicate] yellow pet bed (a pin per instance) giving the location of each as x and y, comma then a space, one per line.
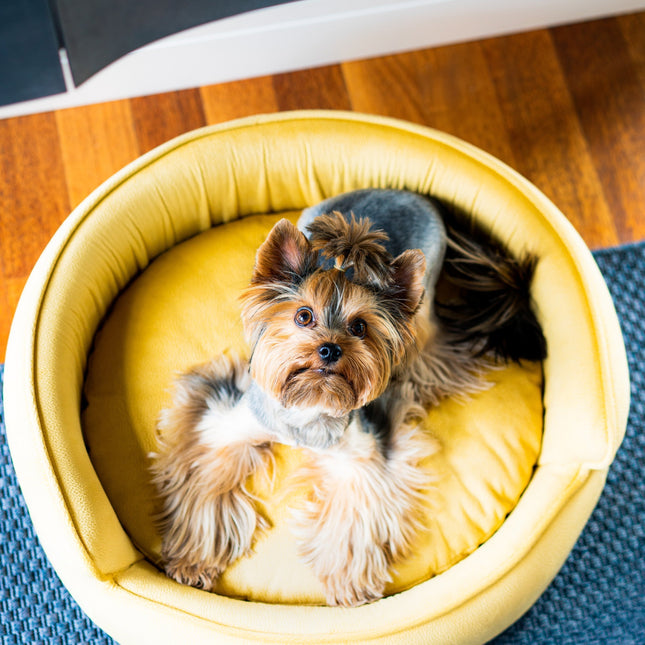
153, 261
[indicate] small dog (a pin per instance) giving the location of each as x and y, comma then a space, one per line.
372, 309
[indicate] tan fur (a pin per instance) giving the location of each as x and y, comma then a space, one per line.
362, 515
285, 350
438, 366
208, 519
353, 244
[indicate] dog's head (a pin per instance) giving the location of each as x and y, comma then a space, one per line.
328, 320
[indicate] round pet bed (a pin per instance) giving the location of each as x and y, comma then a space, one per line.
141, 282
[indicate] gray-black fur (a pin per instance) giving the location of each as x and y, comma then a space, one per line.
410, 220
483, 299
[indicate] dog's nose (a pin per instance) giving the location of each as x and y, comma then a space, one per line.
330, 352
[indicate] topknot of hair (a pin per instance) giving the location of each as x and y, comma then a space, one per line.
353, 244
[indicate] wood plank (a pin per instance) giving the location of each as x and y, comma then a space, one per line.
390, 86
9, 296
96, 141
609, 99
320, 88
448, 88
633, 29
549, 145
239, 99
161, 117
33, 192
33, 203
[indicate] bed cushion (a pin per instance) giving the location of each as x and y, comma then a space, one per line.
183, 310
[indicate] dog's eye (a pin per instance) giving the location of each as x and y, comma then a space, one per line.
304, 317
358, 328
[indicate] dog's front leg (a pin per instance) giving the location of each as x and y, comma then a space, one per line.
363, 512
209, 445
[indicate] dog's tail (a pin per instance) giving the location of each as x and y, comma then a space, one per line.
485, 300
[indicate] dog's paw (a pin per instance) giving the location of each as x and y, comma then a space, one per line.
343, 592
360, 572
346, 551
198, 546
194, 575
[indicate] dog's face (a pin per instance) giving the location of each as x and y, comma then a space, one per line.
320, 339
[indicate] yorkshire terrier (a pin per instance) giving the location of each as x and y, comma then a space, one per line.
373, 308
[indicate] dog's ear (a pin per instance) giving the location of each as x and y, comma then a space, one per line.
408, 271
284, 256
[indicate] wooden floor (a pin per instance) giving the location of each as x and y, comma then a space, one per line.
564, 106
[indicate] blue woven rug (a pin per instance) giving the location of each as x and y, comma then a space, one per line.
598, 598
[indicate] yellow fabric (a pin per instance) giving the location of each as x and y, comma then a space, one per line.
184, 310
281, 163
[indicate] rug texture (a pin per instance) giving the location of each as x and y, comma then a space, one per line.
597, 598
